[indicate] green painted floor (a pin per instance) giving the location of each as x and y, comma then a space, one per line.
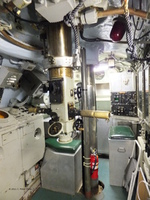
109, 192
43, 194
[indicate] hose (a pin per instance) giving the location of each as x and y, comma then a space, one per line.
129, 37
19, 43
74, 28
68, 19
131, 46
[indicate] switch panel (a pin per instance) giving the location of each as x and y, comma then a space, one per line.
124, 103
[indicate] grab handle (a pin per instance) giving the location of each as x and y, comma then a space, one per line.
121, 150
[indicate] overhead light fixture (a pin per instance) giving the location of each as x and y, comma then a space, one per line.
111, 62
101, 67
118, 29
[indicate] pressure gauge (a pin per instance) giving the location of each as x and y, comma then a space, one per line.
55, 129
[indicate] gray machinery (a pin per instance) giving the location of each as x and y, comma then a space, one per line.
22, 141
47, 64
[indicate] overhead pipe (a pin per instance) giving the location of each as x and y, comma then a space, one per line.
120, 11
95, 114
19, 43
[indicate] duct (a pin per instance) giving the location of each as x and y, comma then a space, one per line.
115, 3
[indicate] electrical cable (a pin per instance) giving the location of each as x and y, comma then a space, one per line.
13, 62
136, 25
130, 41
18, 42
129, 36
22, 19
68, 19
74, 30
142, 36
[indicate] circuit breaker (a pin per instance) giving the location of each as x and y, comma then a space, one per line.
124, 103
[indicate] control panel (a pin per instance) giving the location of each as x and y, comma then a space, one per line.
124, 103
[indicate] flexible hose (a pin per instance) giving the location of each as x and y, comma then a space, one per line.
129, 36
68, 19
131, 46
77, 8
74, 28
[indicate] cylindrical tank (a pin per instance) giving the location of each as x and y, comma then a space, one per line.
59, 40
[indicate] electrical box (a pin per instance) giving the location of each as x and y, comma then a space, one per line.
124, 103
9, 77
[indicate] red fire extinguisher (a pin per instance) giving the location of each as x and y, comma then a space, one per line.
94, 166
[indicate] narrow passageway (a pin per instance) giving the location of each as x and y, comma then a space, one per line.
109, 192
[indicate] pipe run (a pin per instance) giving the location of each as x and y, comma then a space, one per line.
120, 11
19, 43
95, 114
86, 132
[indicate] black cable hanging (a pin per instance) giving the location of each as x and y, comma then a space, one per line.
22, 19
68, 19
131, 45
